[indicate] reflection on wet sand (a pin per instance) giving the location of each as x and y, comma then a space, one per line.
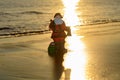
71, 66
58, 67
75, 59
59, 72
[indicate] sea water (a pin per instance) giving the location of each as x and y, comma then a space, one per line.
26, 17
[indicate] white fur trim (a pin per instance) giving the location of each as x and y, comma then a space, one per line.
58, 21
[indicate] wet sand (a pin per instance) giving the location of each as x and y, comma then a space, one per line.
26, 58
103, 54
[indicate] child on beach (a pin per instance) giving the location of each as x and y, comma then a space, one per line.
58, 28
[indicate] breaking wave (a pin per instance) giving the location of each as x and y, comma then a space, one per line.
98, 21
18, 34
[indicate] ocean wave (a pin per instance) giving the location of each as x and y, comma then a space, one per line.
4, 13
31, 12
18, 34
106, 21
98, 21
5, 28
24, 12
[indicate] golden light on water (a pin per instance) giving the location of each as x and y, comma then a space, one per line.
75, 59
70, 15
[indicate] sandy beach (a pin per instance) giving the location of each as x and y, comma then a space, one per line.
26, 58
